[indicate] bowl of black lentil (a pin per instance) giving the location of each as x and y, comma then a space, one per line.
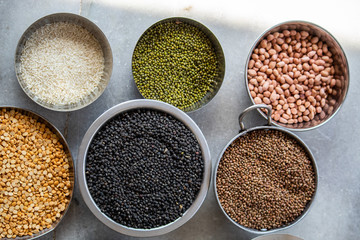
266, 178
144, 168
178, 61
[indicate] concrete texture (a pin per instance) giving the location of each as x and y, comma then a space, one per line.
336, 211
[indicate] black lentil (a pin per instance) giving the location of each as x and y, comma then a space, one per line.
265, 179
175, 62
144, 168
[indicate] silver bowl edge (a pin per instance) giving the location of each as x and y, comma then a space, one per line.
143, 104
63, 141
340, 50
218, 51
92, 28
309, 204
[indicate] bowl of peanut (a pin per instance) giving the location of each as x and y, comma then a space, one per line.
301, 71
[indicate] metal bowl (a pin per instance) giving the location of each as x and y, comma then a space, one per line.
143, 104
71, 164
93, 29
219, 55
243, 132
277, 237
341, 71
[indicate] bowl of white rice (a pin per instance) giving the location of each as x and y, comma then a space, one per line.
63, 62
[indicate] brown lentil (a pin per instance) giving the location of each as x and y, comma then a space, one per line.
34, 175
265, 179
298, 71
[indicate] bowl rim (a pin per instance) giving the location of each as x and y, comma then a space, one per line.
214, 41
43, 20
63, 141
279, 236
308, 205
103, 119
257, 41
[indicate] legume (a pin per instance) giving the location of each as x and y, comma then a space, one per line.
144, 168
294, 73
34, 176
265, 179
175, 63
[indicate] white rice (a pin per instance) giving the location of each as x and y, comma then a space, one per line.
62, 63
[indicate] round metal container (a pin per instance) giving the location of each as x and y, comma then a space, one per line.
277, 237
219, 55
95, 31
71, 164
243, 132
121, 108
340, 64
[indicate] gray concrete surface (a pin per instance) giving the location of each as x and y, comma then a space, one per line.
335, 213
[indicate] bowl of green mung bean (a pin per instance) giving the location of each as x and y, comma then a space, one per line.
178, 61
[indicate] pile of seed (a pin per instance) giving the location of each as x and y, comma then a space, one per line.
175, 62
144, 169
61, 63
294, 73
34, 176
265, 179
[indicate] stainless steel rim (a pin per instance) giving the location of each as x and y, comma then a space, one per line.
81, 164
71, 162
92, 28
278, 237
301, 142
269, 30
219, 54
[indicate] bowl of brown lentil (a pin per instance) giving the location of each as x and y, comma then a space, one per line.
300, 70
37, 175
178, 61
63, 62
144, 168
265, 178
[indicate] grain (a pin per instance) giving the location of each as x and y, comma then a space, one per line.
265, 179
175, 62
144, 169
61, 63
34, 181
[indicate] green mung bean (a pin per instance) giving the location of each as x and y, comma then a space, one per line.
175, 62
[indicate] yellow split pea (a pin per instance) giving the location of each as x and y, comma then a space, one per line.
34, 175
